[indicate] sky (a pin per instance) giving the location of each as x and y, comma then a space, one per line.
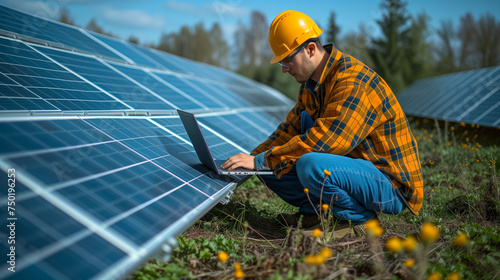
147, 20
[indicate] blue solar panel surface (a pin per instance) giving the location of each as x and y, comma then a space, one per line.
105, 172
470, 96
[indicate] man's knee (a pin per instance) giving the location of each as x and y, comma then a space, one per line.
307, 169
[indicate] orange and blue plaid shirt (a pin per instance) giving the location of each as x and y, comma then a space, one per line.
355, 114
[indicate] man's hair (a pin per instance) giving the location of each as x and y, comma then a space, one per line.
316, 41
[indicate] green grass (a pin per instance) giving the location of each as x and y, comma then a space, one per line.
461, 189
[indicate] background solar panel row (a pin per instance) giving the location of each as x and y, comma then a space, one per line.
470, 96
105, 173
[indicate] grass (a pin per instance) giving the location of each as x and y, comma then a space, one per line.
460, 170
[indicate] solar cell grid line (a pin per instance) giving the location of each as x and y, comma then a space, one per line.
238, 129
34, 82
115, 84
51, 31
163, 59
183, 85
479, 103
170, 94
132, 54
230, 99
209, 97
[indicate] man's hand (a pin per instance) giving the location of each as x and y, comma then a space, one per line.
240, 160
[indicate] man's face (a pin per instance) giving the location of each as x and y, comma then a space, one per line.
300, 67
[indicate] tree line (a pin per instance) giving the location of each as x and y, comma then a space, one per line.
406, 49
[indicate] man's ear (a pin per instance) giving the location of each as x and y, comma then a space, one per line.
311, 49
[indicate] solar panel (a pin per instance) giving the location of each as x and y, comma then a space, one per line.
101, 160
31, 81
470, 96
43, 30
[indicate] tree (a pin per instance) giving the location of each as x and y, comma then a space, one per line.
333, 29
480, 46
133, 39
220, 48
251, 42
356, 44
64, 17
387, 52
445, 50
474, 44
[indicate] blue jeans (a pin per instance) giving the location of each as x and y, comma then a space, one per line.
354, 191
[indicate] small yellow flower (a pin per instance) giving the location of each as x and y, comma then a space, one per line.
222, 256
237, 266
327, 173
310, 260
372, 223
325, 207
319, 260
435, 276
432, 190
316, 232
450, 188
239, 274
306, 190
409, 244
326, 253
373, 227
393, 244
409, 263
429, 233
453, 276
461, 239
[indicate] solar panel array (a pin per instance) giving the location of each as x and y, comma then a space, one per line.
471, 97
98, 171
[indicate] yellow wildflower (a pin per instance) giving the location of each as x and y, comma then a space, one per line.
319, 260
310, 260
316, 232
409, 263
327, 173
237, 266
461, 239
409, 244
429, 233
326, 253
325, 207
222, 256
435, 276
306, 190
393, 244
239, 274
373, 227
453, 276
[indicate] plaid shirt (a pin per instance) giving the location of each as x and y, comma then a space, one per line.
356, 114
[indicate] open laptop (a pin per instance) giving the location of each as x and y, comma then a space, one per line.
202, 150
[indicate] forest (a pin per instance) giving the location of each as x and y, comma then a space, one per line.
406, 50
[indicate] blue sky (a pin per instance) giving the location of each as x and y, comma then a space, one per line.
148, 19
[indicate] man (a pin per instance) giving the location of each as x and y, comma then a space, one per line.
347, 127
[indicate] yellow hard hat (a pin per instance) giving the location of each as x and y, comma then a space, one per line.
288, 31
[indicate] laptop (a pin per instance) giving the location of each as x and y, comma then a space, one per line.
203, 151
